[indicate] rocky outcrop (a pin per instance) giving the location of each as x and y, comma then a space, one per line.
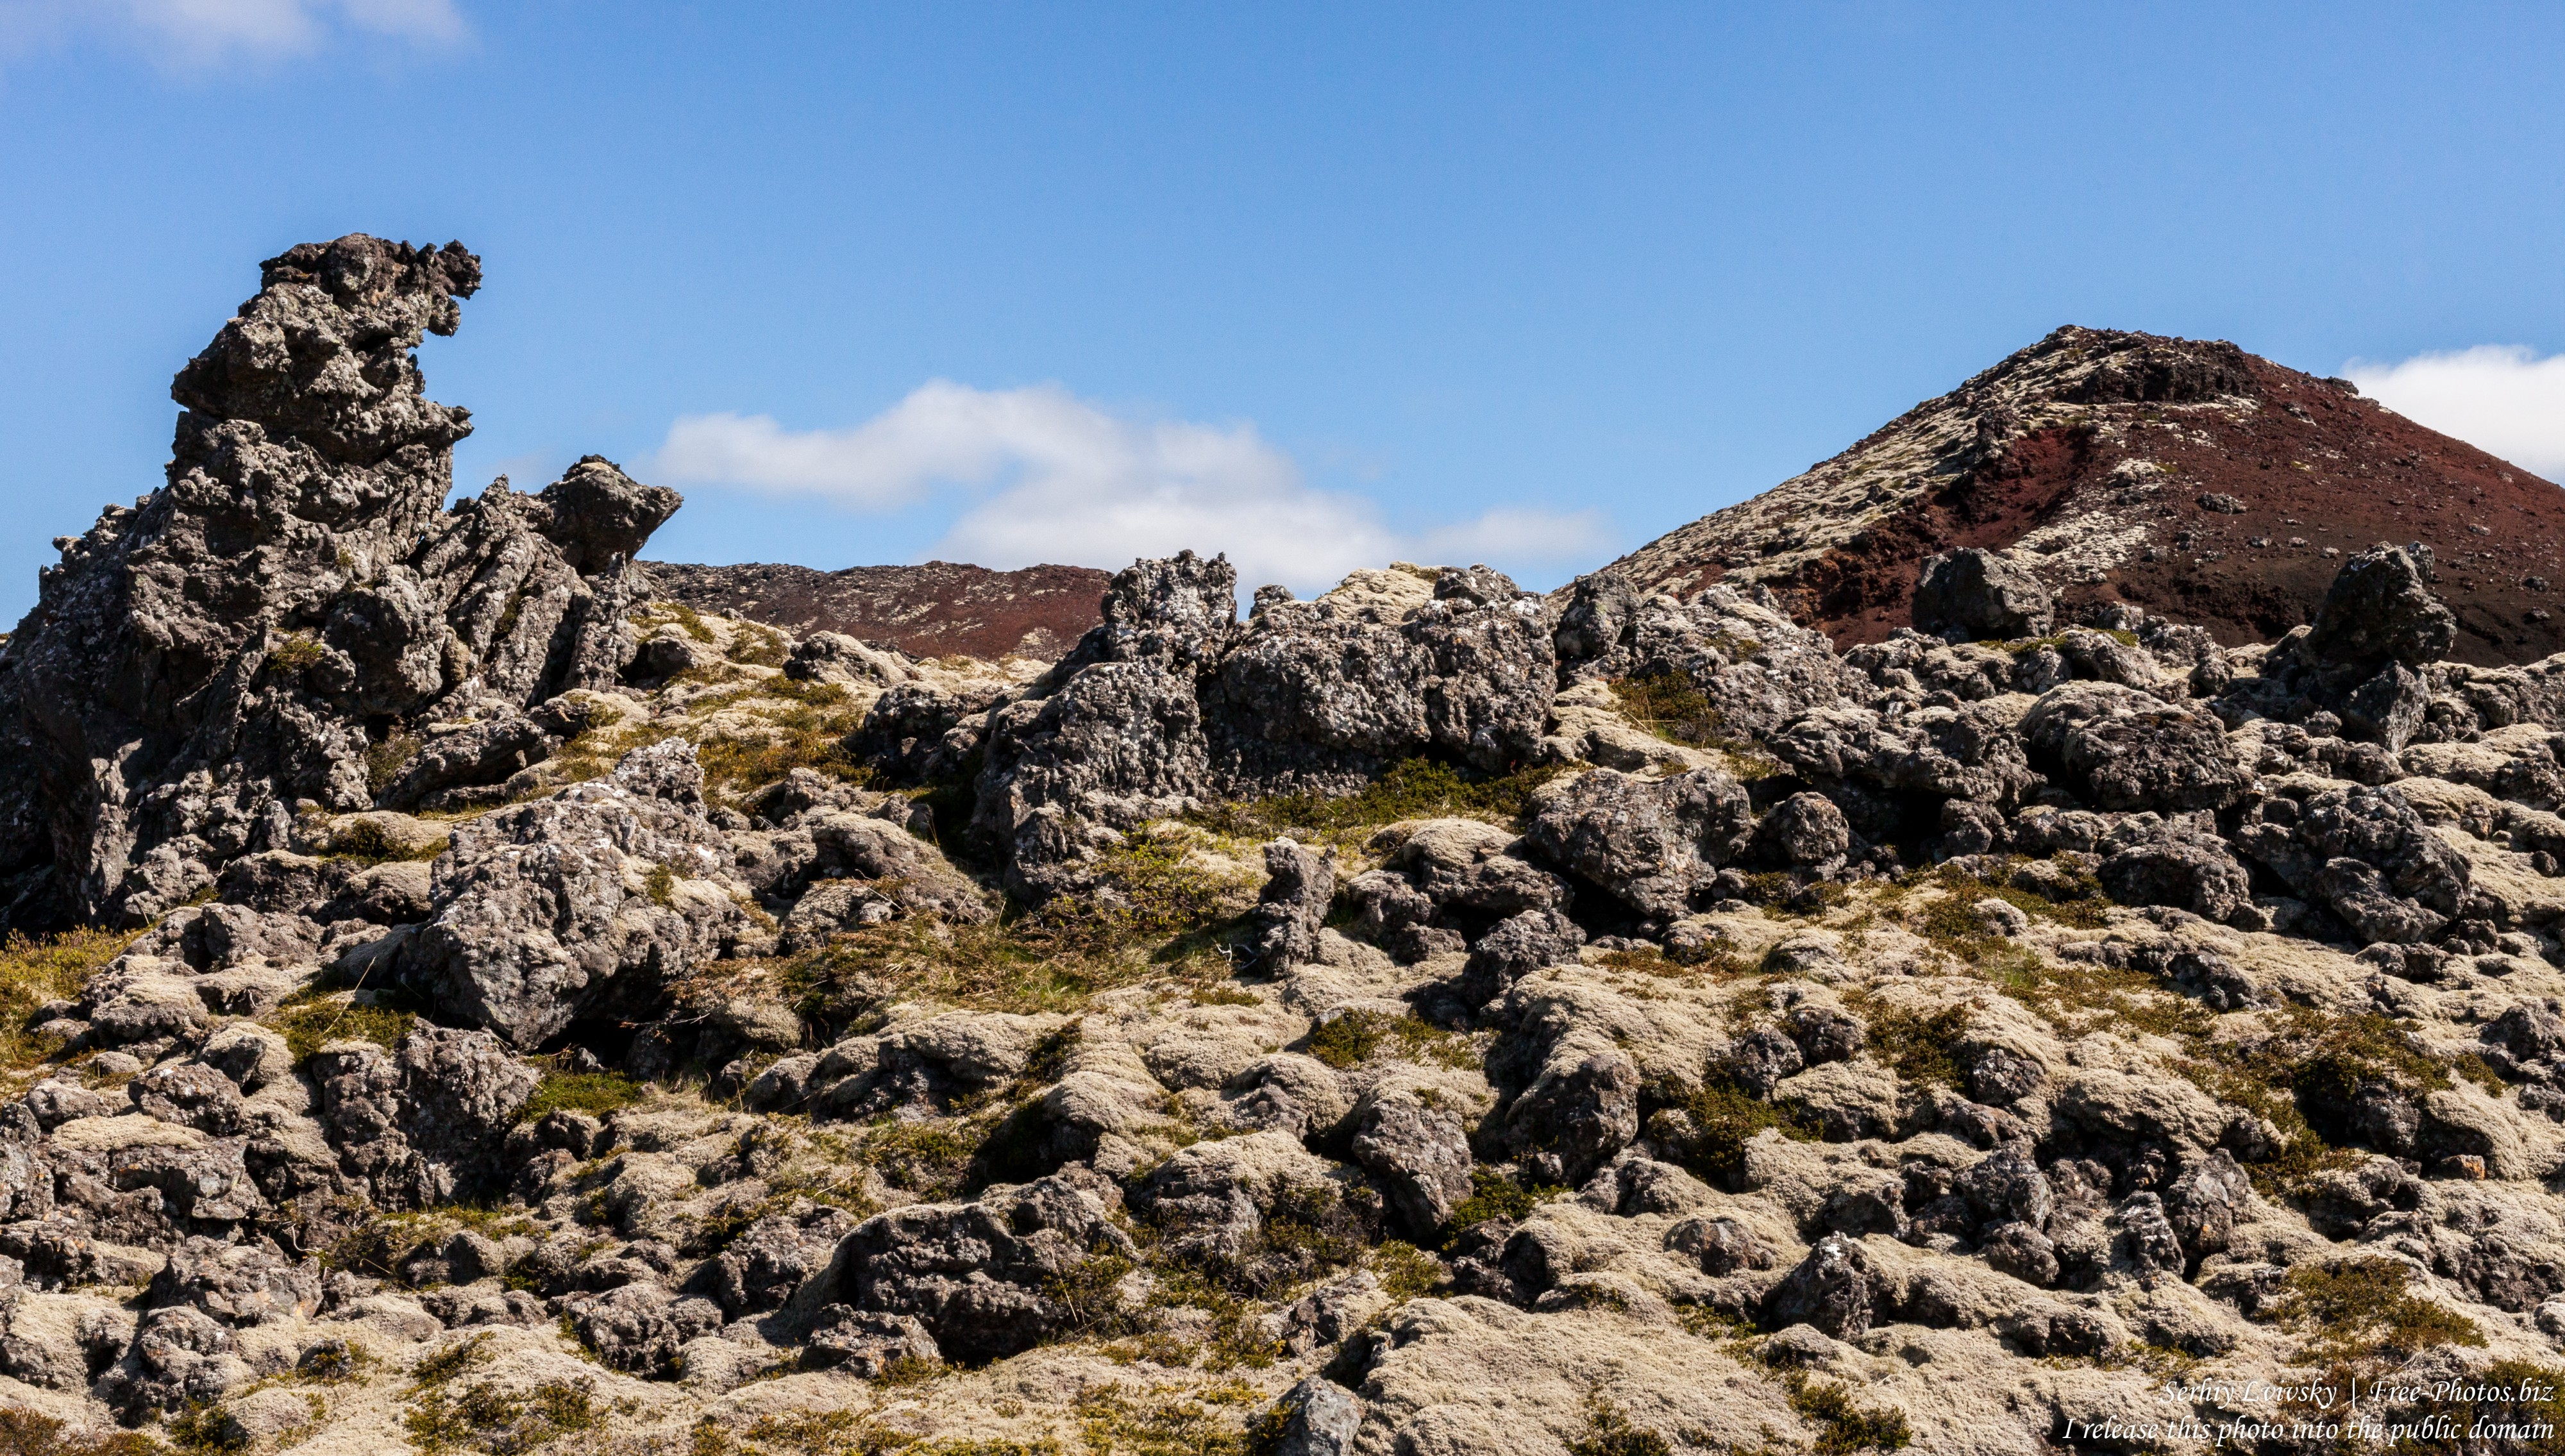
579, 905
236, 643
1427, 1017
1173, 702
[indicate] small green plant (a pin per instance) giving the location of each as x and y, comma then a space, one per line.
1843, 1427
690, 621
1412, 789
1951, 922
1406, 1272
661, 886
207, 1429
1670, 706
438, 1367
24, 1432
1350, 1039
1148, 888
1496, 1195
1708, 1127
311, 1020
299, 652
367, 840
1921, 1048
32, 972
931, 1161
484, 1419
756, 646
809, 734
1609, 1432
1088, 1293
595, 1093
385, 760
2362, 1309
1159, 1422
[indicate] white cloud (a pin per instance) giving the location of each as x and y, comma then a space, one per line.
193, 34
1050, 477
2501, 398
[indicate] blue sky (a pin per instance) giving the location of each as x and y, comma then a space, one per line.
1314, 284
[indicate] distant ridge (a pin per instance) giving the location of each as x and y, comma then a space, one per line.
938, 609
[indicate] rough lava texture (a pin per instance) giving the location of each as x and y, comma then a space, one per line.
2188, 478
1426, 1019
202, 665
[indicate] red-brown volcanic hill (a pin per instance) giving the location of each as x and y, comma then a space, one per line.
2191, 477
934, 610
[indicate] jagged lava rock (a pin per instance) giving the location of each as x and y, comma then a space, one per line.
200, 663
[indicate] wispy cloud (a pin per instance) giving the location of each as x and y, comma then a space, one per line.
2501, 398
195, 34
1049, 477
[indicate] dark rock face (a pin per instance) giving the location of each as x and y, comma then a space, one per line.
2363, 853
544, 912
1975, 595
1834, 1289
1647, 842
2123, 749
975, 1273
1420, 1154
2381, 610
1299, 887
203, 661
420, 1124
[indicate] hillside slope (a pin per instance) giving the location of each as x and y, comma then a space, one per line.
938, 609
2189, 477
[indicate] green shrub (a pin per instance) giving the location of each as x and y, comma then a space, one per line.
209, 1428
1406, 1272
595, 1093
806, 736
688, 620
1352, 1038
1412, 789
1608, 1432
931, 1161
311, 1020
661, 886
440, 1366
1088, 1294
1670, 706
1845, 1427
367, 840
1921, 1048
24, 1432
1707, 1128
2362, 1309
298, 653
483, 1419
32, 972
1494, 1195
385, 760
1147, 889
